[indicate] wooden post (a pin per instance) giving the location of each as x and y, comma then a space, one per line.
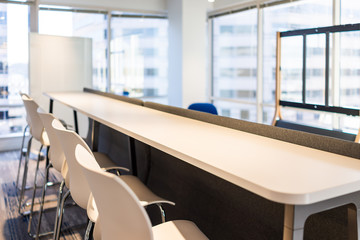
278, 79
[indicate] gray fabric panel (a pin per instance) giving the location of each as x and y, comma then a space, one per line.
329, 144
222, 210
116, 145
117, 97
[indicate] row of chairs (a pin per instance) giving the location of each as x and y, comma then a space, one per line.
118, 200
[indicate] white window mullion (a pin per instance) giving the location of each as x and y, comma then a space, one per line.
108, 84
259, 88
336, 63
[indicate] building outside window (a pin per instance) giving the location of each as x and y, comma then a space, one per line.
234, 64
235, 55
291, 16
13, 67
139, 57
138, 49
349, 64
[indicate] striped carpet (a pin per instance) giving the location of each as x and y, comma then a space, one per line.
13, 226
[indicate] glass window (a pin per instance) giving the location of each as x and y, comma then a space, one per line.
350, 11
315, 69
90, 25
290, 16
291, 69
235, 69
268, 114
14, 22
236, 110
139, 59
349, 69
234, 55
235, 61
349, 78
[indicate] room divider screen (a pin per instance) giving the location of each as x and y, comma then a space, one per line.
318, 87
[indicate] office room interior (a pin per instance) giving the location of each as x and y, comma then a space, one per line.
233, 119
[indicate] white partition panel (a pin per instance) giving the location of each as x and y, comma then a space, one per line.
60, 64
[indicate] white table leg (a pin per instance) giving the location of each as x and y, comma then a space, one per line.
295, 215
293, 225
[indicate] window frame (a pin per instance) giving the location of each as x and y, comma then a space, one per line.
260, 104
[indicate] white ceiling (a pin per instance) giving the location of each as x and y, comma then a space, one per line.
151, 6
156, 6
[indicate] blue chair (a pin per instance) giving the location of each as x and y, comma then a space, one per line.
204, 107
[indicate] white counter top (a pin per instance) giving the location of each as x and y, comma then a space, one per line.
276, 170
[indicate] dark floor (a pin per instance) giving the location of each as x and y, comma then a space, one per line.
13, 226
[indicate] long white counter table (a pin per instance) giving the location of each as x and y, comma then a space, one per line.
306, 180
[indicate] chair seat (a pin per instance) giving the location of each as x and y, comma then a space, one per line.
144, 194
178, 230
105, 162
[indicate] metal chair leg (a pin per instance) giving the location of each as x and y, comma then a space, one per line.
162, 213
35, 180
42, 202
23, 186
57, 214
60, 215
21, 156
89, 230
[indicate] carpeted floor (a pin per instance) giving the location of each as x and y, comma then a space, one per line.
13, 226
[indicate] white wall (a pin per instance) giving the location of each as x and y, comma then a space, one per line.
187, 52
125, 5
59, 64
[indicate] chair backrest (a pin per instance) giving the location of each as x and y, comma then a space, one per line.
26, 96
57, 156
119, 209
203, 107
79, 188
36, 125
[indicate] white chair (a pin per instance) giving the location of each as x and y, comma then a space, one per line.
22, 149
79, 188
38, 132
58, 162
121, 214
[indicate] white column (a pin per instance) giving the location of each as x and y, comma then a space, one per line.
187, 51
34, 16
